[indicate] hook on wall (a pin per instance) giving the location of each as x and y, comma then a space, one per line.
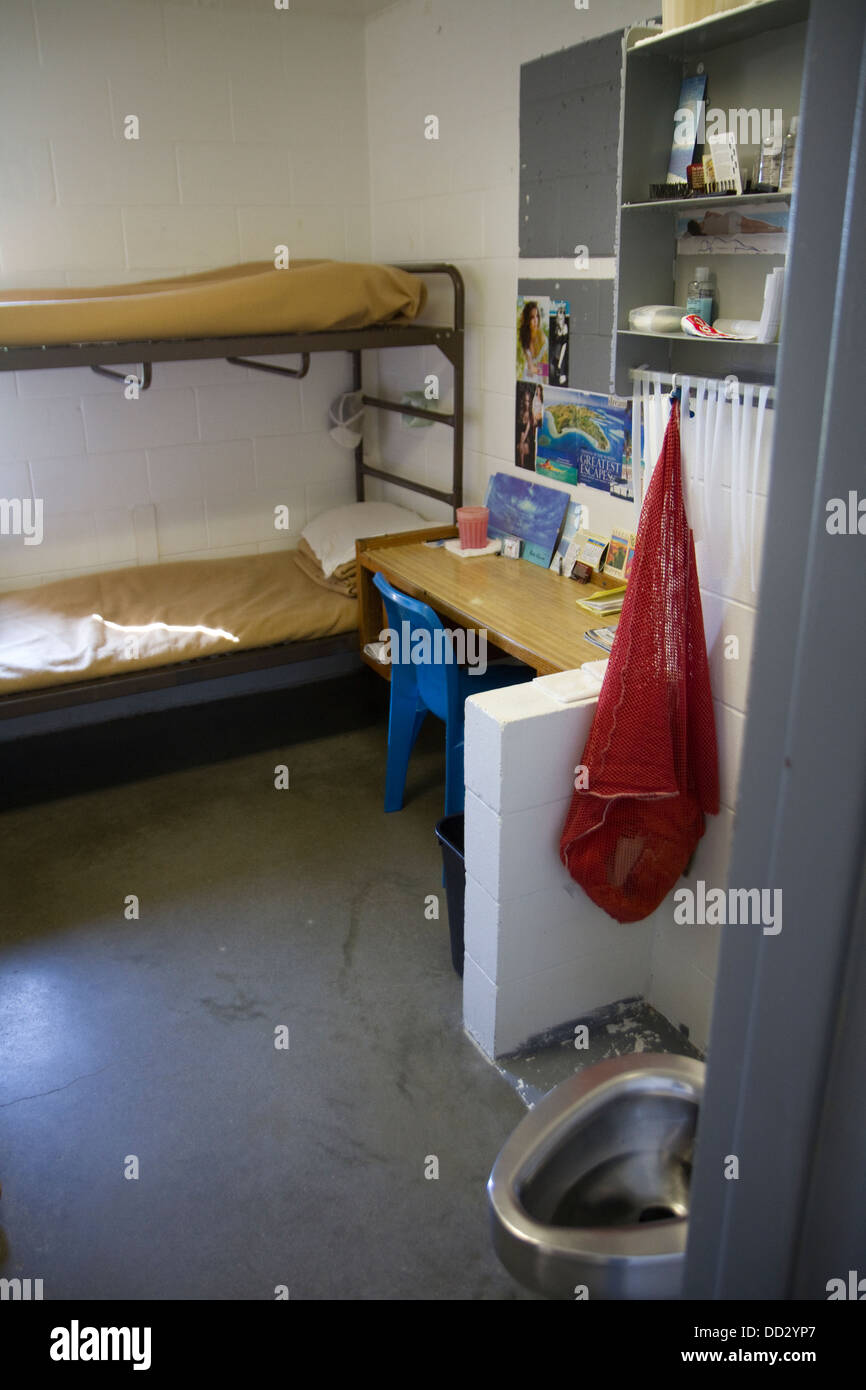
144, 379
677, 394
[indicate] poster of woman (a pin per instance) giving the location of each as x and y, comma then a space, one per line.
558, 352
532, 342
526, 426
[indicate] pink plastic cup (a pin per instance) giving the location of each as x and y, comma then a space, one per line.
472, 525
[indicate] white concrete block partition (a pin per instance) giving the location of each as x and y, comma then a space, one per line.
539, 953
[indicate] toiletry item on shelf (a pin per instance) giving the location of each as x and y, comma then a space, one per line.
771, 316
768, 165
686, 123
655, 318
726, 164
699, 297
696, 327
709, 171
744, 329
789, 156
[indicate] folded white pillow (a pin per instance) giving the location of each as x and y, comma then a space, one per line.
331, 535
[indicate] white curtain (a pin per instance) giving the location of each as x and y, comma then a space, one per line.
722, 439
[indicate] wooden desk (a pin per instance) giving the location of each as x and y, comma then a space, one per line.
526, 611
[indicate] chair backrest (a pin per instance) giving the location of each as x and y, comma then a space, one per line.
422, 657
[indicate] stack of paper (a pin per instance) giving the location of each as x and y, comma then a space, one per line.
601, 637
771, 314
603, 601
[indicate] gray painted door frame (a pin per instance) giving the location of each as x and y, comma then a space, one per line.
788, 1042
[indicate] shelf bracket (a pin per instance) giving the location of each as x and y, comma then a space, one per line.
144, 379
296, 372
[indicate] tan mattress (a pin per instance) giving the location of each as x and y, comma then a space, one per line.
126, 620
310, 297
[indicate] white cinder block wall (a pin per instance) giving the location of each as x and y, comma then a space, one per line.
252, 134
261, 127
538, 952
457, 199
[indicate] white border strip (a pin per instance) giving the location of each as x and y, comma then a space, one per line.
563, 268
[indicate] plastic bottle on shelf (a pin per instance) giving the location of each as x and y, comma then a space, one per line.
700, 294
789, 155
768, 165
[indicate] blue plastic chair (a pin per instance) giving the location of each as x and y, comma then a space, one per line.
440, 687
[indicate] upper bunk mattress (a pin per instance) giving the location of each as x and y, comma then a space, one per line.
235, 301
120, 621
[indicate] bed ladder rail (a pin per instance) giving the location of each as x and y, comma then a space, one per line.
451, 344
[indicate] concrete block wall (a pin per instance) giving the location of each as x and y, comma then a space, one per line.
457, 198
253, 133
538, 952
262, 126
569, 135
683, 973
420, 206
589, 367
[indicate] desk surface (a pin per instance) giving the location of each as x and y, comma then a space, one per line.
527, 611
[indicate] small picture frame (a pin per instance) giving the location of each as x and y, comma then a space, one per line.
632, 542
511, 547
617, 555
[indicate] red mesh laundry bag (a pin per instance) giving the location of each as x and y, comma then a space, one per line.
651, 758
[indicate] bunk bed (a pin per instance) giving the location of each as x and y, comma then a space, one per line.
232, 315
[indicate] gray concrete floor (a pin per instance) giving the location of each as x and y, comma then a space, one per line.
631, 1025
154, 1038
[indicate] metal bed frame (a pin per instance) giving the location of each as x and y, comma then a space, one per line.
239, 351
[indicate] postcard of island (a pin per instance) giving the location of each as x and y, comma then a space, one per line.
528, 510
584, 438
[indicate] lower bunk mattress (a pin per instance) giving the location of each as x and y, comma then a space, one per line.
122, 621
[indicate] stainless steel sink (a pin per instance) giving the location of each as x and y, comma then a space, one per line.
592, 1189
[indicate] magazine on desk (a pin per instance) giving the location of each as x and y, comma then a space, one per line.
602, 637
602, 602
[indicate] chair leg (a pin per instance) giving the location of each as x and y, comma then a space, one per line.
404, 724
455, 792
